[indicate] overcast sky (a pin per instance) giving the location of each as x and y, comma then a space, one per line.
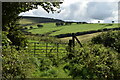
77, 10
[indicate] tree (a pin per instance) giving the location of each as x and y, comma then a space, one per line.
11, 10
10, 17
113, 21
98, 21
17, 64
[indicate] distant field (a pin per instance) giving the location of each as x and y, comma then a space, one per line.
26, 21
82, 38
49, 27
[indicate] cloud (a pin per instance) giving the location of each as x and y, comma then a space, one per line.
78, 10
100, 10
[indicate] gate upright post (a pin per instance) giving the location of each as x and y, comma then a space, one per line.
73, 40
57, 50
34, 48
46, 48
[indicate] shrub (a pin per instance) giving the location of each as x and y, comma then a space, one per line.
94, 62
25, 28
45, 64
39, 26
109, 39
51, 73
5, 41
109, 24
16, 64
17, 38
31, 27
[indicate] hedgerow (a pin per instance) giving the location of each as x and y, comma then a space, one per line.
94, 62
109, 39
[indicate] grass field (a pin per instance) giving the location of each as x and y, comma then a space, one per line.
82, 38
26, 21
51, 27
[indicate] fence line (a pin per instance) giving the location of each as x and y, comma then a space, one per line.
42, 48
47, 48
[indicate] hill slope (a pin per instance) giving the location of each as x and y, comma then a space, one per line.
31, 20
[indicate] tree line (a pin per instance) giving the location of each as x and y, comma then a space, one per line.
69, 23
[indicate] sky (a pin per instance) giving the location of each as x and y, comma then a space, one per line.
90, 11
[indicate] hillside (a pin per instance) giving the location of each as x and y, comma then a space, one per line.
27, 20
74, 28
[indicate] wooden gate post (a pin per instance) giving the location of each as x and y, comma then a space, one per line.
34, 48
57, 50
73, 40
46, 48
70, 44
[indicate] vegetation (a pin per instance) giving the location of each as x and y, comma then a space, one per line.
93, 62
74, 28
111, 39
97, 59
18, 64
12, 10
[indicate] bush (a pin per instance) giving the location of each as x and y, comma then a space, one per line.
45, 64
16, 64
39, 26
51, 73
25, 28
5, 41
109, 24
31, 27
94, 62
109, 39
17, 38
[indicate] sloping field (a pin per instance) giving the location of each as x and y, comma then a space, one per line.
26, 21
74, 28
82, 38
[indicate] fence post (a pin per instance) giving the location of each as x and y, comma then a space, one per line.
70, 45
46, 48
34, 48
73, 39
57, 50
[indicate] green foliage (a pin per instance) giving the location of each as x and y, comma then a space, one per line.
74, 28
17, 38
31, 27
25, 28
14, 37
51, 73
45, 64
45, 68
10, 17
109, 39
16, 64
94, 62
11, 10
5, 40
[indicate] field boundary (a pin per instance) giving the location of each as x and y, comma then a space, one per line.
70, 34
45, 49
85, 32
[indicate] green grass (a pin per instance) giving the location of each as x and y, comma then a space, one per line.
41, 49
49, 27
26, 21
82, 38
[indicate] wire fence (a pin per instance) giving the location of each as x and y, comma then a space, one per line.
45, 49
